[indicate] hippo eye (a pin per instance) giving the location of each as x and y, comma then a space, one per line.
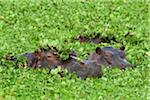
108, 61
109, 55
49, 56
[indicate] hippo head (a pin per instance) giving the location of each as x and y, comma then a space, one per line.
109, 56
46, 58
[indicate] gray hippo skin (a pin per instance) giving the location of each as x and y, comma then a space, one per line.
109, 56
82, 69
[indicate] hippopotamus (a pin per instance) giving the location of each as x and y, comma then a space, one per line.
41, 58
96, 39
83, 69
111, 57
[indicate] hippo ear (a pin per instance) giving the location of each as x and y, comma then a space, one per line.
37, 53
55, 49
99, 50
122, 48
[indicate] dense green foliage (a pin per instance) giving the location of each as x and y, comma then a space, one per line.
27, 24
